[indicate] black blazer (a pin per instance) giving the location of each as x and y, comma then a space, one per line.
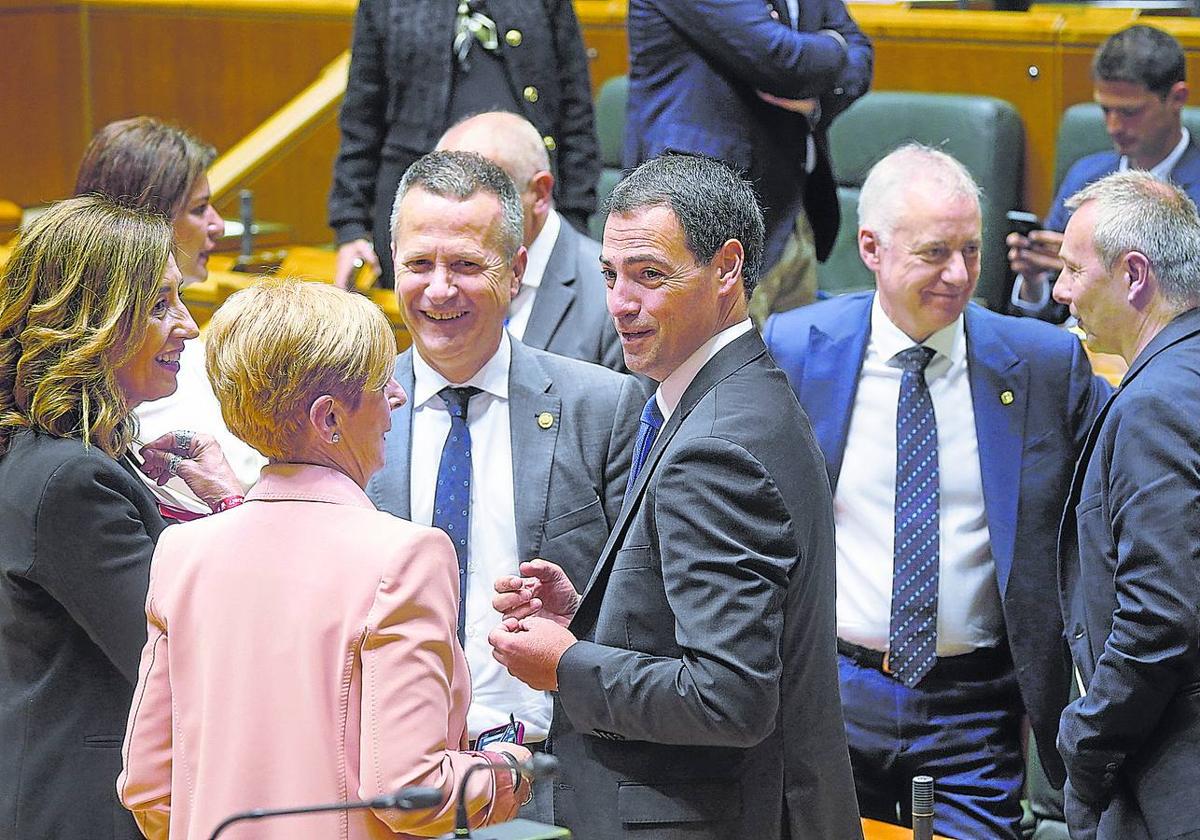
398, 94
1129, 566
702, 700
78, 530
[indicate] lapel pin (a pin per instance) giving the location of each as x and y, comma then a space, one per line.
1006, 397
545, 420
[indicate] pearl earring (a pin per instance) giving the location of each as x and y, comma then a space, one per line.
337, 438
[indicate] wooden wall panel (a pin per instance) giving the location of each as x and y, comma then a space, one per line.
220, 73
42, 99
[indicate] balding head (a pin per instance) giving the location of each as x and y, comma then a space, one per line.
512, 143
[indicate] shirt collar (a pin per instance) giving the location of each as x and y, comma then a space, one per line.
887, 339
539, 250
307, 483
670, 391
491, 378
1162, 170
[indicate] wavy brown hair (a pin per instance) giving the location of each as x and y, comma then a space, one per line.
145, 163
75, 302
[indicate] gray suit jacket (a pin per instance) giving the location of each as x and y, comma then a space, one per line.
702, 700
570, 316
568, 479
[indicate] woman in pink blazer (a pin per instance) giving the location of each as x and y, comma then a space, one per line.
302, 646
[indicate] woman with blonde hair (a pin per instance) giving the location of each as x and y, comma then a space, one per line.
91, 325
302, 649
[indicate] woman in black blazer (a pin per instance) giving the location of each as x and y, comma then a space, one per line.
91, 324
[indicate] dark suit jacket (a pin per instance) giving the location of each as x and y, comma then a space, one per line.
78, 531
399, 91
694, 67
570, 314
568, 479
1129, 560
1027, 449
703, 693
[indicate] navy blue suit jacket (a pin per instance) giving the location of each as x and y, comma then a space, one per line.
1027, 450
694, 67
1129, 559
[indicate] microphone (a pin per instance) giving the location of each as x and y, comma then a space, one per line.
922, 807
405, 799
539, 765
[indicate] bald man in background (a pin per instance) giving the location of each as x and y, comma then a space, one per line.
561, 304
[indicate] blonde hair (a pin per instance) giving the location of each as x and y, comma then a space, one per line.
75, 303
275, 347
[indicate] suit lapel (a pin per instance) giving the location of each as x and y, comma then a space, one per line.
1000, 398
830, 380
735, 356
390, 487
533, 443
556, 292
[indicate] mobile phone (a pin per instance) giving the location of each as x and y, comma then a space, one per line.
513, 732
1023, 223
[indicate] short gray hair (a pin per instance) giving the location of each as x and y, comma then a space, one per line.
711, 202
1136, 211
881, 202
460, 175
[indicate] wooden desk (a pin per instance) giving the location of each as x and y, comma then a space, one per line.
874, 830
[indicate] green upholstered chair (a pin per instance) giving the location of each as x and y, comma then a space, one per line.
986, 134
610, 128
1081, 133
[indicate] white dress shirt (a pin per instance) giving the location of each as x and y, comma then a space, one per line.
539, 257
969, 612
493, 532
670, 390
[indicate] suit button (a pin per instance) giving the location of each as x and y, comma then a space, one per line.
1078, 631
530, 93
1111, 767
550, 144
513, 37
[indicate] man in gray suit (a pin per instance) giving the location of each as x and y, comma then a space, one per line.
516, 453
696, 675
560, 305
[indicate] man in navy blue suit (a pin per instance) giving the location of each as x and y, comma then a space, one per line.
753, 83
949, 433
1140, 82
1129, 550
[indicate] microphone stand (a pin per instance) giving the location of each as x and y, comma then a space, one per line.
538, 766
405, 799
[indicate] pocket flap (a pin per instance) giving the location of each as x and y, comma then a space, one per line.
678, 802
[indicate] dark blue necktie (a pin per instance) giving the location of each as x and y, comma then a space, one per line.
652, 421
452, 499
912, 634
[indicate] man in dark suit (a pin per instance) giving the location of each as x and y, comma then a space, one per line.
1139, 77
542, 441
947, 622
696, 678
751, 83
560, 305
1129, 550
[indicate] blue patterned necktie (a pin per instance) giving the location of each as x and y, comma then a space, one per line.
652, 421
452, 499
912, 634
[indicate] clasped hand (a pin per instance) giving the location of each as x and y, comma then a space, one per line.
533, 636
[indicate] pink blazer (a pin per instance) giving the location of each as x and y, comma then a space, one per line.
301, 650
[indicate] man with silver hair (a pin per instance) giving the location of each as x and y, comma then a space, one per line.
518, 454
560, 305
949, 434
1129, 551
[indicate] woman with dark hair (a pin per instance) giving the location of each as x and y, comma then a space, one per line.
91, 325
151, 164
